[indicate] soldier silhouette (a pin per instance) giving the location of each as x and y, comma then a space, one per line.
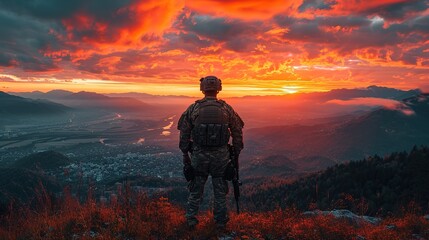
205, 129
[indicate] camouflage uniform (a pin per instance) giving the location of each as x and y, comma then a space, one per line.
209, 161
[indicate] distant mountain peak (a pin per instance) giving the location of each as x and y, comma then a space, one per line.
88, 95
58, 91
379, 87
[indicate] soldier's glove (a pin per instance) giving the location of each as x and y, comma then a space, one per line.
188, 170
186, 159
230, 172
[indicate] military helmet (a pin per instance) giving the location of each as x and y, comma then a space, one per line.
210, 83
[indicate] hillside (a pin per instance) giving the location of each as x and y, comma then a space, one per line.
14, 106
374, 185
159, 219
42, 160
23, 186
269, 166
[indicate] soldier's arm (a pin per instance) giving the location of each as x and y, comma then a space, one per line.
185, 127
236, 125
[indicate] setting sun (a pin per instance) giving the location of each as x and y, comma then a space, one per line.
291, 89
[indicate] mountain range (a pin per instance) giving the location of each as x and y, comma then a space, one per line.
380, 131
89, 101
368, 92
302, 108
18, 106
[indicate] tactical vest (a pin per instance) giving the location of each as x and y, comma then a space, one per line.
211, 125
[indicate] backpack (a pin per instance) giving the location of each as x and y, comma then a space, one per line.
211, 125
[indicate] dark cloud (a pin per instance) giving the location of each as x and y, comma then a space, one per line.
343, 21
6, 60
241, 44
101, 10
346, 34
413, 55
188, 41
237, 35
316, 4
313, 50
32, 29
23, 41
399, 10
401, 41
46, 9
35, 34
389, 10
420, 24
284, 20
95, 20
309, 31
120, 22
219, 29
100, 20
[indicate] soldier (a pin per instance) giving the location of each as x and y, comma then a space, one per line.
205, 129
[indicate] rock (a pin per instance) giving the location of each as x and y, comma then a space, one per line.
426, 217
418, 237
359, 237
93, 234
372, 220
226, 238
346, 215
313, 213
391, 227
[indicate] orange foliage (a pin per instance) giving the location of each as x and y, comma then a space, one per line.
139, 217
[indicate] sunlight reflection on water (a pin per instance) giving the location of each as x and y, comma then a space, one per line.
165, 133
168, 126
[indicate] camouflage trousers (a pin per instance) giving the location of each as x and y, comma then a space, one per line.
208, 162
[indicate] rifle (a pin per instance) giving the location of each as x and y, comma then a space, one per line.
236, 179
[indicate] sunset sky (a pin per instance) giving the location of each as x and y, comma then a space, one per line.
256, 47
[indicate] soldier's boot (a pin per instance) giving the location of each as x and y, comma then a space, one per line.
191, 224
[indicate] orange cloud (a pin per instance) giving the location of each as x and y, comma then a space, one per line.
253, 9
349, 6
124, 25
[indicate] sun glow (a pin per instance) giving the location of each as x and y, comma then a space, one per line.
291, 89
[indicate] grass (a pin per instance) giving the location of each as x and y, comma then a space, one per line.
139, 217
